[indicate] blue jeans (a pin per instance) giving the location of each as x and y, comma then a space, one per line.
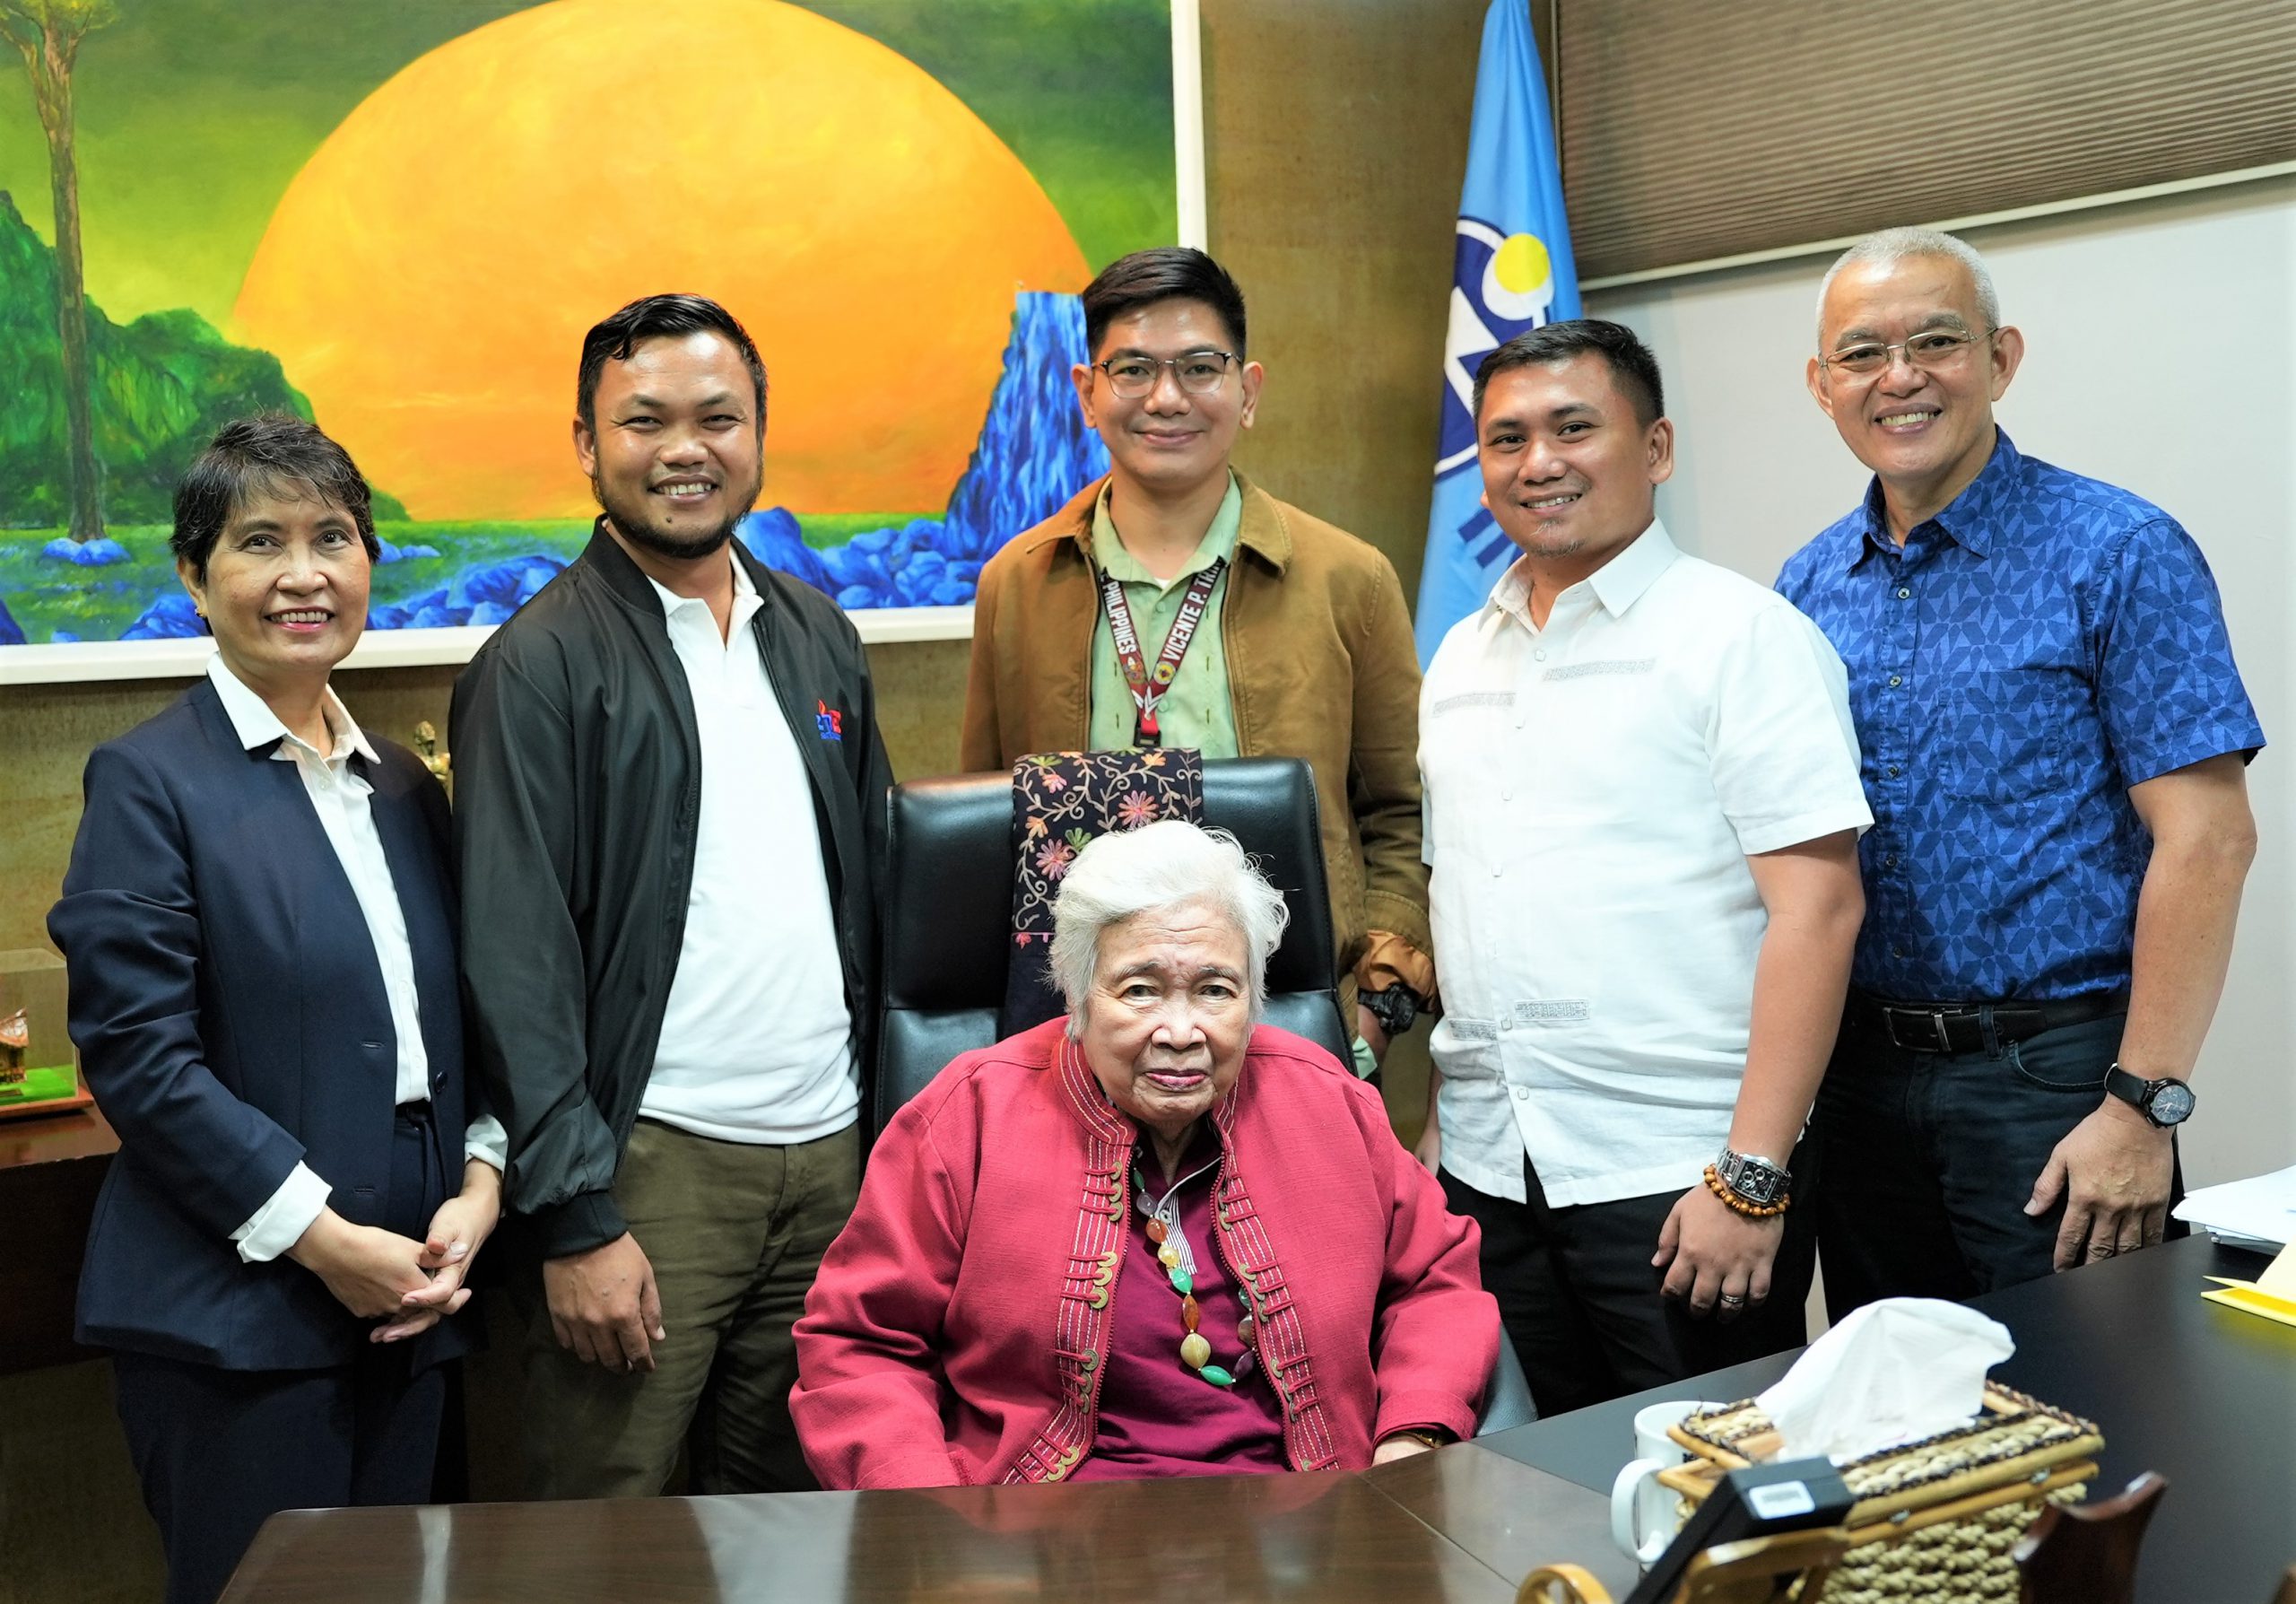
1930, 1157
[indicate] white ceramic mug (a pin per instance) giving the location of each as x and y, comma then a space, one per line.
1643, 1519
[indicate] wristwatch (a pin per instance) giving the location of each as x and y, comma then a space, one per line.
1753, 1177
2168, 1102
1434, 1436
1395, 1009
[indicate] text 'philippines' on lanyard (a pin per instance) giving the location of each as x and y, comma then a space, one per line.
1148, 685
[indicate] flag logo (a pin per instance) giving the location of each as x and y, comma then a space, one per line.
1513, 280
1511, 271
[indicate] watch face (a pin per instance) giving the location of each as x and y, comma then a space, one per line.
1756, 1183
1393, 1008
2171, 1104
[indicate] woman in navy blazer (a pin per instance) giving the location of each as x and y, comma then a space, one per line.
258, 927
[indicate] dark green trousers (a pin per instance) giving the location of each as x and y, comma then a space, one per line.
735, 1232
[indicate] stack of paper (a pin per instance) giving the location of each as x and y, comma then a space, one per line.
2258, 1213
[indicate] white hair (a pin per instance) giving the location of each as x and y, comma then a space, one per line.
1896, 245
1169, 863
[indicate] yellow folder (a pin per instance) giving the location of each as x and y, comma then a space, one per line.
2272, 1294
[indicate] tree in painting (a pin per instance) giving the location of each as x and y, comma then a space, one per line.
316, 208
48, 34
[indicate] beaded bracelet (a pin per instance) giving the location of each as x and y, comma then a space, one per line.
1753, 1211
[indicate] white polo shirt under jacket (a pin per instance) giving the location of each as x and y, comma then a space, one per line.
756, 1041
1593, 791
339, 795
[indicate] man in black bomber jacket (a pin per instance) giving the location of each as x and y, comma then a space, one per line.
670, 791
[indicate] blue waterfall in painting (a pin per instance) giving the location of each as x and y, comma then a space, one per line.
1034, 453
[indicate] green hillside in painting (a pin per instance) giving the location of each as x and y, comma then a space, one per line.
164, 384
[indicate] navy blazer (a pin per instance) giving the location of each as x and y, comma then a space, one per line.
231, 1021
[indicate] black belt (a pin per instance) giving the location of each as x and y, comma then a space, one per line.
1957, 1027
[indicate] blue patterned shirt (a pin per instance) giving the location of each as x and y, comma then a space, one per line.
2036, 648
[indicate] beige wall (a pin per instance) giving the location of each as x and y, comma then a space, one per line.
1758, 469
1336, 138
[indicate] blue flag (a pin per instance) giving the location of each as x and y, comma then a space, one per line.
1512, 271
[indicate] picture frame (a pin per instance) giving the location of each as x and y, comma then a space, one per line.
920, 385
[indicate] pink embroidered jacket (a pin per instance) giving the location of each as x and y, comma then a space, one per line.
956, 1330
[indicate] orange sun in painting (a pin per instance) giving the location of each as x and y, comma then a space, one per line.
428, 276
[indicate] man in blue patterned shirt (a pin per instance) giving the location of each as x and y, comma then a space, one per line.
2054, 739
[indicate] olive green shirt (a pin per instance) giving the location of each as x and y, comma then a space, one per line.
1195, 710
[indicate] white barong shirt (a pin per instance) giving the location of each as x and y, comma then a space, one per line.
1594, 788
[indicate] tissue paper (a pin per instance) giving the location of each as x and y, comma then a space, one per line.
1892, 1372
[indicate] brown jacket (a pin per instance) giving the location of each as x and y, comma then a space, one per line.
1320, 666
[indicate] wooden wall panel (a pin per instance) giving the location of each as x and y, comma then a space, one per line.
50, 729
1337, 131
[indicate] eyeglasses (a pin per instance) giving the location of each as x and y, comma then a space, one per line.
1199, 372
1928, 351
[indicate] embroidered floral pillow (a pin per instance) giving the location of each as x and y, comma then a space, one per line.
1062, 801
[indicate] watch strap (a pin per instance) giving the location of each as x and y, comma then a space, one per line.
2132, 1089
2142, 1094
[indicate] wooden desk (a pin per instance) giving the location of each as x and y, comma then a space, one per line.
1507, 1514
50, 1168
2203, 1394
1332, 1537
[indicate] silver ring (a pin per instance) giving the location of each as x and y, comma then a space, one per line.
1730, 1302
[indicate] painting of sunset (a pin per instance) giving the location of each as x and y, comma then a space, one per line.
398, 217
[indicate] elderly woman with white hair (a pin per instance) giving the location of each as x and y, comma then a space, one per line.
1152, 1238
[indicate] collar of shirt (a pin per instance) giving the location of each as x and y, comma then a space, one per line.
1967, 521
1219, 541
1616, 586
687, 615
256, 724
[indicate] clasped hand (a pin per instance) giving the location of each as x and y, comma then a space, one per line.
407, 1285
1716, 1257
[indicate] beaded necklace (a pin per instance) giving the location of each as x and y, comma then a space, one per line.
1174, 1252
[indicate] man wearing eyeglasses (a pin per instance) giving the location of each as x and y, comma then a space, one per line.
1253, 628
2054, 738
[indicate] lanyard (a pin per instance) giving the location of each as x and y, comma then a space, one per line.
1148, 686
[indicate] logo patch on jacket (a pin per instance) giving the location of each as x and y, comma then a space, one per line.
829, 721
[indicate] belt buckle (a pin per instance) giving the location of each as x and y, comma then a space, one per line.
1937, 1025
1941, 1040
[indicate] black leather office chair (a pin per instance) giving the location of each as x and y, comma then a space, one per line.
948, 922
948, 907
1510, 1404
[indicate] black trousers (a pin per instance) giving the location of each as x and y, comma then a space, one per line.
219, 1451
1930, 1158
1581, 1301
